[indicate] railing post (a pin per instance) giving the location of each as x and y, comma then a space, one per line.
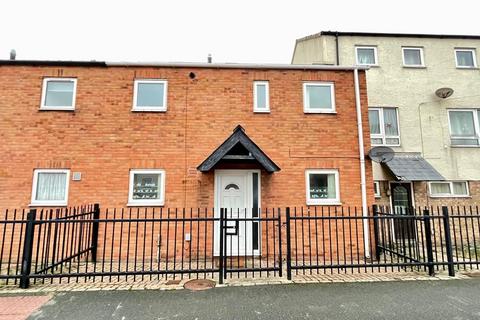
224, 236
448, 241
28, 249
220, 256
375, 232
289, 245
428, 242
280, 263
94, 243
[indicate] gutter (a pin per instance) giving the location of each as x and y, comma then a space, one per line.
363, 185
235, 66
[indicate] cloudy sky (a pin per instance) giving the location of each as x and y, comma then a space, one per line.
232, 31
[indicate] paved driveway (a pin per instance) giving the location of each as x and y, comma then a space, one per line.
452, 299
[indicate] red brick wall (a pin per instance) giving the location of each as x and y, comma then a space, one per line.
103, 139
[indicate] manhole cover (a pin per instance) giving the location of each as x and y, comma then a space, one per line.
199, 284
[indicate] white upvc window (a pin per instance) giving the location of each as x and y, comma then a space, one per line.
322, 187
413, 57
384, 126
147, 187
448, 189
50, 187
58, 94
464, 127
261, 96
366, 55
150, 95
319, 97
465, 58
376, 189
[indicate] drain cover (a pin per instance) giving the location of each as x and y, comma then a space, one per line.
199, 284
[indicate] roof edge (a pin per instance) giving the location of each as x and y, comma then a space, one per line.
266, 66
391, 35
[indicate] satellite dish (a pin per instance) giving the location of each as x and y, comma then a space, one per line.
444, 92
381, 154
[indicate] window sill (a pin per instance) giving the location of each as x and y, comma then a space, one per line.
377, 197
148, 110
330, 203
63, 204
468, 68
319, 112
261, 111
464, 146
414, 67
449, 196
145, 204
56, 109
368, 65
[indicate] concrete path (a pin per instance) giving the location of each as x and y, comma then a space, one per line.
452, 299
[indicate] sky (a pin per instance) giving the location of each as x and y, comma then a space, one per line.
232, 31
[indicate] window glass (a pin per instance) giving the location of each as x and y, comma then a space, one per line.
390, 121
460, 188
462, 123
412, 57
261, 96
374, 119
465, 58
146, 186
51, 186
59, 93
366, 56
322, 186
319, 97
150, 94
440, 188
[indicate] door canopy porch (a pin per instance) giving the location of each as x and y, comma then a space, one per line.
238, 147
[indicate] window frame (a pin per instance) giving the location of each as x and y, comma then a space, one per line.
315, 202
163, 108
45, 81
146, 202
375, 55
376, 189
422, 59
476, 124
306, 106
256, 109
474, 58
382, 135
45, 203
451, 194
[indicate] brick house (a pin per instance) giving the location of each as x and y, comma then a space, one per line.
125, 134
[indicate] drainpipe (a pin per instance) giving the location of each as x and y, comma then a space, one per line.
366, 234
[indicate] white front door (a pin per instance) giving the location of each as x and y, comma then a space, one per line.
233, 192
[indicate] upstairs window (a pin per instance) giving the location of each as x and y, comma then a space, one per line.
58, 94
449, 189
150, 95
384, 128
322, 187
261, 96
465, 58
412, 57
464, 127
50, 187
147, 187
366, 56
318, 97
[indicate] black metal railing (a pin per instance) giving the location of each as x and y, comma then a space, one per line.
85, 243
